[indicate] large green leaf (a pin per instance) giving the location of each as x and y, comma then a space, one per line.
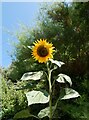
58, 63
70, 93
62, 78
35, 97
23, 114
32, 75
45, 112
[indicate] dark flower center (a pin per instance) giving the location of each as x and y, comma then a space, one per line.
42, 51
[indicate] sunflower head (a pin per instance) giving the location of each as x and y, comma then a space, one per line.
42, 50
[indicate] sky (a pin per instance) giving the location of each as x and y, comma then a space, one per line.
14, 13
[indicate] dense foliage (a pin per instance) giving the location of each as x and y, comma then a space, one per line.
12, 100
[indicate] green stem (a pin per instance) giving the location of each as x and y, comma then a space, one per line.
55, 106
50, 92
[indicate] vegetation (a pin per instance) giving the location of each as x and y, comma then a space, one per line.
12, 100
67, 27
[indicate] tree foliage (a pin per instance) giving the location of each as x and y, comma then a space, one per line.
67, 28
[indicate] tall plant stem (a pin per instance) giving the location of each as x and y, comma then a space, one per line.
50, 92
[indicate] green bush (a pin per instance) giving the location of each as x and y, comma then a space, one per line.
12, 100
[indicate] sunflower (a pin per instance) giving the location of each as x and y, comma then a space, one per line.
42, 50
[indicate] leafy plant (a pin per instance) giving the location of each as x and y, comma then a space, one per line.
42, 52
12, 100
